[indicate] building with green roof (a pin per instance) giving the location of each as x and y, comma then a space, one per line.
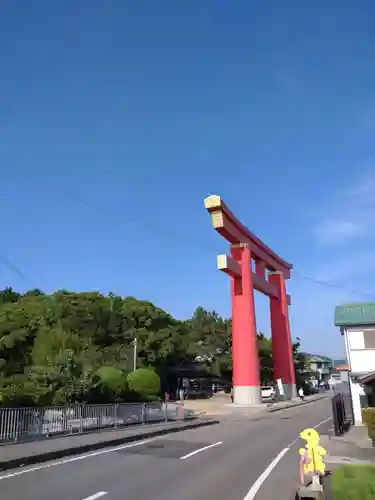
357, 326
362, 313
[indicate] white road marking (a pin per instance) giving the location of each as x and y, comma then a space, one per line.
97, 495
258, 483
200, 449
322, 422
315, 427
75, 459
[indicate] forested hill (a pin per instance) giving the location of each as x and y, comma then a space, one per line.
78, 347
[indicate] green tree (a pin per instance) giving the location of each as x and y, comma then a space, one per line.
302, 364
211, 339
77, 347
8, 295
55, 345
265, 359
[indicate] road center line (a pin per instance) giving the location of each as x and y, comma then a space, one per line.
97, 495
200, 449
322, 422
75, 459
315, 427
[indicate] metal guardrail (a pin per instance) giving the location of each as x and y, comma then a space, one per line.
26, 424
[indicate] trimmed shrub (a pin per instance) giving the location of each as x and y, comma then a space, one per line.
145, 382
368, 416
113, 381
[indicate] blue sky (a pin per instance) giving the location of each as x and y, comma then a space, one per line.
143, 108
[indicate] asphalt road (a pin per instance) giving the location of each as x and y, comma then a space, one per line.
222, 462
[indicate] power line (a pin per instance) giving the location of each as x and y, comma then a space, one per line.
170, 234
334, 285
15, 270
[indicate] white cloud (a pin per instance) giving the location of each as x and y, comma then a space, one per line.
363, 189
312, 316
342, 267
337, 231
347, 268
349, 214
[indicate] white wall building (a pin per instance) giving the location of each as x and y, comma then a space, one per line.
357, 325
340, 373
320, 368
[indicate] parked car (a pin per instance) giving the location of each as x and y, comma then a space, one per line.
310, 389
268, 392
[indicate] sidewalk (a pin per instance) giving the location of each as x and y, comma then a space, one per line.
223, 406
282, 405
354, 447
17, 455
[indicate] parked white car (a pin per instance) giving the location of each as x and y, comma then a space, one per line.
268, 392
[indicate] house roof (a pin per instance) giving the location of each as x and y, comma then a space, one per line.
361, 313
340, 365
369, 377
342, 368
339, 362
318, 358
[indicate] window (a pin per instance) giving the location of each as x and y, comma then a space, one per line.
369, 339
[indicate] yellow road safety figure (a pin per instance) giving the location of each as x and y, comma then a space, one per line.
312, 455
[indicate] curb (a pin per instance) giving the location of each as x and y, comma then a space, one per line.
293, 405
76, 450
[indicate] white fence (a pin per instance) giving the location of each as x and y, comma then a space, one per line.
25, 424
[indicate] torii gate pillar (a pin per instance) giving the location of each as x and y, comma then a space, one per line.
245, 248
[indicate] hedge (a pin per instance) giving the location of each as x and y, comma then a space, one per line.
145, 382
368, 417
354, 482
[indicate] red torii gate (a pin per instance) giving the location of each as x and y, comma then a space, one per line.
245, 248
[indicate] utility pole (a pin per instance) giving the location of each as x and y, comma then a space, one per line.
135, 354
